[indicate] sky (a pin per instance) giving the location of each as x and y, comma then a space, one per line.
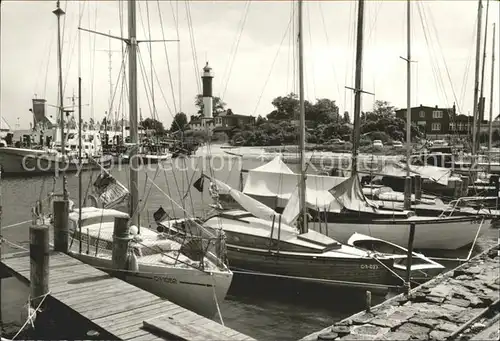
251, 46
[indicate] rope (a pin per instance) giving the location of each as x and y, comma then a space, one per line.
2, 239
272, 65
236, 44
30, 317
193, 45
216, 301
166, 58
16, 224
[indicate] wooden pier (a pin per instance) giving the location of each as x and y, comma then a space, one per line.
115, 308
460, 304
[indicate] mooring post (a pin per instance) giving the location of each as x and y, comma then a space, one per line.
61, 225
409, 257
39, 263
418, 189
121, 239
465, 185
368, 301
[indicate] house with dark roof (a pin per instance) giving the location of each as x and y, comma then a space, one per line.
224, 123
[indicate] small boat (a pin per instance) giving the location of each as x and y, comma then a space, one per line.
422, 267
190, 273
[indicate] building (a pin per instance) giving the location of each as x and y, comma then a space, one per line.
226, 123
438, 123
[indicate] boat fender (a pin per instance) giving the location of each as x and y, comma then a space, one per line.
133, 265
133, 230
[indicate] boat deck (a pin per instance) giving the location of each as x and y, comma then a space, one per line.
119, 308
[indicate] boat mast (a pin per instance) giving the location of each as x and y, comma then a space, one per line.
302, 119
59, 12
407, 195
491, 90
476, 77
481, 92
357, 88
132, 69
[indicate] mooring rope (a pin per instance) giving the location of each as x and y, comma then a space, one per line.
216, 301
30, 316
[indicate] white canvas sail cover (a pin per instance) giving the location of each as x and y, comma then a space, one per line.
251, 205
276, 179
440, 175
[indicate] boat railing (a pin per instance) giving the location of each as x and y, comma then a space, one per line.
454, 204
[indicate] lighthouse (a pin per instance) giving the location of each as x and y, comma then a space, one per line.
207, 92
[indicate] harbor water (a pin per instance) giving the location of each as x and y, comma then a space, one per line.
266, 309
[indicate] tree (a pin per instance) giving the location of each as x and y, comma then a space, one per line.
260, 120
323, 111
179, 123
218, 105
346, 118
152, 124
384, 109
286, 108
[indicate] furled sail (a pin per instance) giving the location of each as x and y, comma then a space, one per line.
251, 205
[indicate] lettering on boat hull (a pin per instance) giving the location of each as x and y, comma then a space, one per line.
369, 267
165, 279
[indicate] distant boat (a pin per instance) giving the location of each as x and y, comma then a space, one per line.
24, 161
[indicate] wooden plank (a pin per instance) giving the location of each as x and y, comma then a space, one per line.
63, 288
134, 334
112, 301
107, 320
103, 293
119, 320
167, 329
135, 320
150, 337
108, 310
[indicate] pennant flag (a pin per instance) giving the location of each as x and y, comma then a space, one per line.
160, 215
110, 191
198, 184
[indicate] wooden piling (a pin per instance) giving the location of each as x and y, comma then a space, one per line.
418, 188
61, 225
465, 185
368, 301
39, 263
121, 239
409, 256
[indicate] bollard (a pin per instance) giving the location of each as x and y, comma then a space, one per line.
61, 225
465, 185
409, 257
368, 301
418, 189
121, 239
39, 263
407, 197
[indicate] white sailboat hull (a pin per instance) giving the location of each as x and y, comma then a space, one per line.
29, 161
190, 288
443, 234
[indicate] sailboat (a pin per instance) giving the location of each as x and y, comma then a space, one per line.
261, 240
339, 208
190, 272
